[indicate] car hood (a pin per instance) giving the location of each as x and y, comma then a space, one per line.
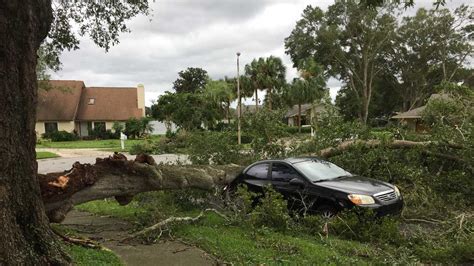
356, 185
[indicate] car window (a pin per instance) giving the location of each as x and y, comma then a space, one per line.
282, 172
317, 170
259, 171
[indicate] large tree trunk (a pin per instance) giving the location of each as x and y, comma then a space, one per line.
25, 236
120, 178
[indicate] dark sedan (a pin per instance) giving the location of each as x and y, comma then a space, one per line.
318, 186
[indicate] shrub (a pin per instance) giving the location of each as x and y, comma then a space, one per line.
135, 128
272, 211
363, 225
118, 127
213, 148
295, 130
98, 133
60, 136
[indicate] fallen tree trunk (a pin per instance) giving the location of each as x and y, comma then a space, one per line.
118, 177
121, 178
395, 144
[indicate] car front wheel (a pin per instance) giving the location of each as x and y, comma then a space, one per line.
326, 211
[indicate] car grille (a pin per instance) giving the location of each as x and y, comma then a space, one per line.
386, 196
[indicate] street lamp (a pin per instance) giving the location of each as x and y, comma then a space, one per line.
239, 104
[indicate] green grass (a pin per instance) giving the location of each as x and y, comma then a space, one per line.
85, 256
239, 244
111, 144
112, 208
88, 256
45, 155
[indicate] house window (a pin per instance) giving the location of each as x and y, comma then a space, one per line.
91, 101
50, 127
99, 126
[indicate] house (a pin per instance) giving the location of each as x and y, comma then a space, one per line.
308, 112
71, 106
412, 118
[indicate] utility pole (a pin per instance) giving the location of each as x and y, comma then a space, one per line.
239, 103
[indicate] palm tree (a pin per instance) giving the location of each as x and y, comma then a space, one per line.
265, 74
253, 78
306, 89
273, 75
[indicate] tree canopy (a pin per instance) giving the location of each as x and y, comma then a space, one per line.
191, 80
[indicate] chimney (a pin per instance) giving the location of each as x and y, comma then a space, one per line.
141, 98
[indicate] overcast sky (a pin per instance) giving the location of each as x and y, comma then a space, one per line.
192, 33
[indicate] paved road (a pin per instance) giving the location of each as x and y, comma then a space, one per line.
61, 164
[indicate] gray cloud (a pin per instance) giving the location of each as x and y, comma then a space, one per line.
190, 33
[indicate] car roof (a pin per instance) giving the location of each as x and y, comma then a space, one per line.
292, 160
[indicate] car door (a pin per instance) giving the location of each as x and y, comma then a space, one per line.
257, 177
281, 174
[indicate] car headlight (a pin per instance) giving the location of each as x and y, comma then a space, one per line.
397, 191
361, 199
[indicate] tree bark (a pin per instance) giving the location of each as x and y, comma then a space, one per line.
26, 238
299, 117
270, 98
120, 178
256, 100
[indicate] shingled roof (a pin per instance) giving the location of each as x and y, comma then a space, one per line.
59, 101
70, 100
417, 112
109, 104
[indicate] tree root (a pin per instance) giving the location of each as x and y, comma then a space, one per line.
172, 219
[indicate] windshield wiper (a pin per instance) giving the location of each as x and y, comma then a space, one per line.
341, 176
320, 180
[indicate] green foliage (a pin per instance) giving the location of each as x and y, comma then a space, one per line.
172, 144
135, 128
223, 93
191, 80
103, 24
88, 256
99, 133
328, 37
213, 148
265, 74
363, 225
403, 62
265, 127
187, 110
118, 127
45, 155
271, 211
60, 136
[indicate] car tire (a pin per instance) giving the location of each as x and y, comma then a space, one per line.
326, 211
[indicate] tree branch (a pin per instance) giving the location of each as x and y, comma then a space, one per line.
121, 178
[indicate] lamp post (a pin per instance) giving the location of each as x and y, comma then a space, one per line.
239, 104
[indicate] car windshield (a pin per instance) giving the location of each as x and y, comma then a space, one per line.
317, 170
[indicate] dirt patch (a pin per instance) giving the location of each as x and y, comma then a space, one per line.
109, 231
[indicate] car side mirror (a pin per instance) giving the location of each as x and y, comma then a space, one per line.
297, 182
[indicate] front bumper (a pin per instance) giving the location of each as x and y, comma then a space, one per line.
391, 208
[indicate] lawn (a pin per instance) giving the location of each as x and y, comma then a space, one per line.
109, 144
239, 244
45, 155
87, 256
